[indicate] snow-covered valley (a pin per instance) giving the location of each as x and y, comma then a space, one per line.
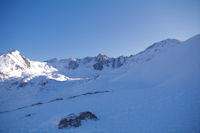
154, 91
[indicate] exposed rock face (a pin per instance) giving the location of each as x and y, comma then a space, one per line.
104, 61
101, 58
98, 66
118, 62
98, 63
101, 61
87, 116
27, 62
73, 120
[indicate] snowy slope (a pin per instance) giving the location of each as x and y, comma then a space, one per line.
15, 65
155, 91
100, 64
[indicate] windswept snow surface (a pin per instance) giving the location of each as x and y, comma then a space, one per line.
151, 93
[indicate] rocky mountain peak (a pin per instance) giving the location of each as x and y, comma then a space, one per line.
101, 57
13, 64
14, 52
14, 60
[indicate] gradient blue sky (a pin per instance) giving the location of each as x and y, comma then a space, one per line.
44, 29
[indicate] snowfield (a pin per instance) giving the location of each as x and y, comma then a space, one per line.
155, 91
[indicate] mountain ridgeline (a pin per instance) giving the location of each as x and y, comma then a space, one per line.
91, 66
154, 91
15, 65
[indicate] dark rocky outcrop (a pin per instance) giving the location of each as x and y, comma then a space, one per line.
87, 116
104, 61
98, 66
120, 61
27, 62
73, 120
101, 61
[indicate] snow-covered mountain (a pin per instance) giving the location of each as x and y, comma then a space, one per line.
15, 65
154, 91
93, 66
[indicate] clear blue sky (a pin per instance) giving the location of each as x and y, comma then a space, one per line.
44, 29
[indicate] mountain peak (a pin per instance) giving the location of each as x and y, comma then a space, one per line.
14, 52
101, 57
100, 54
164, 43
14, 64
